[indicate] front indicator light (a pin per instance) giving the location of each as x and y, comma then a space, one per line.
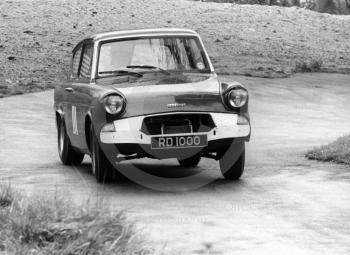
241, 120
109, 127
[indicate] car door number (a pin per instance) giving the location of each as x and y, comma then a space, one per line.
74, 120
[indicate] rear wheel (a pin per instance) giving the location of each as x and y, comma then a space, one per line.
67, 154
232, 162
190, 162
101, 167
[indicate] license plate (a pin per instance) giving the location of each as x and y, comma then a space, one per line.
184, 141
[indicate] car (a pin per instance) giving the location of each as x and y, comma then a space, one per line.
149, 93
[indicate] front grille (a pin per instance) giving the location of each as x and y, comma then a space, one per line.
177, 123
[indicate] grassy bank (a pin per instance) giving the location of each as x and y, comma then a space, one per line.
37, 36
338, 151
50, 225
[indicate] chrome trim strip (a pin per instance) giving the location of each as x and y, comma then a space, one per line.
149, 31
181, 134
174, 148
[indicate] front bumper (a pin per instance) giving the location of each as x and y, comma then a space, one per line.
128, 131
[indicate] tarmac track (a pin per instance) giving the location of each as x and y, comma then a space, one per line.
283, 204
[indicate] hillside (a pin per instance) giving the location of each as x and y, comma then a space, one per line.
36, 36
325, 6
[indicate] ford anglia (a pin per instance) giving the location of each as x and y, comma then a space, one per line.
149, 93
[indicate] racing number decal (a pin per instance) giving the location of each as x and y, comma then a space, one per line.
74, 120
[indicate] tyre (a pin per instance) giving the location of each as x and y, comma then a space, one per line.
232, 162
102, 169
67, 154
189, 162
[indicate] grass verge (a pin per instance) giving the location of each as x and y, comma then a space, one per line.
51, 225
337, 151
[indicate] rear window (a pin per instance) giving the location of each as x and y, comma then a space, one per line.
85, 69
76, 62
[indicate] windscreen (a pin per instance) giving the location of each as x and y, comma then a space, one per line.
168, 53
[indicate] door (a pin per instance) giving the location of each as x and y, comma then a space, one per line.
80, 98
68, 91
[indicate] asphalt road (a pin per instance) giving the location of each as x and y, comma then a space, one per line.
284, 203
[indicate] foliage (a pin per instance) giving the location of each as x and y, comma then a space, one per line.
338, 151
51, 225
313, 65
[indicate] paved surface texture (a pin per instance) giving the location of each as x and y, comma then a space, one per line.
284, 203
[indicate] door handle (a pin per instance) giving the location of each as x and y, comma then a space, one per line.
69, 89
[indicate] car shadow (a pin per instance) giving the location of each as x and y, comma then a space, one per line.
167, 170
210, 178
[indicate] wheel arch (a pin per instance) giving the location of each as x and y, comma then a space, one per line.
59, 116
87, 126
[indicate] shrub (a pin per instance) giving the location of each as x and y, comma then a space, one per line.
338, 151
50, 225
313, 65
6, 195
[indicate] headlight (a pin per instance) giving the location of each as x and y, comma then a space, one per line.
114, 104
237, 97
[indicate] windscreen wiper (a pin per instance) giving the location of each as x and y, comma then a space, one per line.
121, 72
149, 67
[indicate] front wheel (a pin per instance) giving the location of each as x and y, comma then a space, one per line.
66, 152
232, 162
102, 169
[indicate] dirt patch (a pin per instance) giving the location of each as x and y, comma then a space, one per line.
36, 37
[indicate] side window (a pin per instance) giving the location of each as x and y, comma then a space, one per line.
75, 63
85, 69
